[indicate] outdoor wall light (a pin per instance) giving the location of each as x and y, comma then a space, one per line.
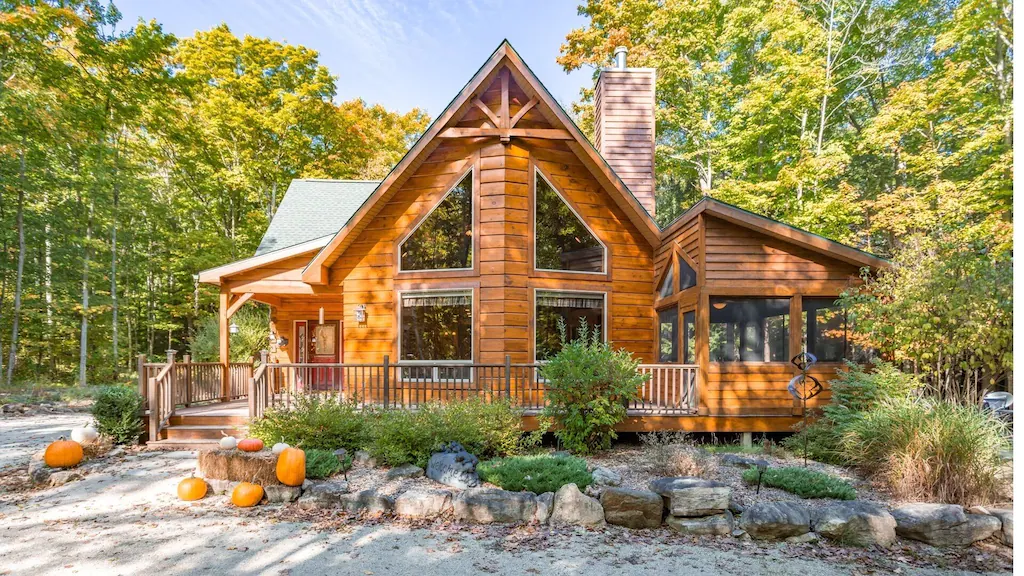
360, 313
282, 341
233, 328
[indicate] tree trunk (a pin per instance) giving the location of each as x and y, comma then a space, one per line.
83, 342
113, 268
16, 315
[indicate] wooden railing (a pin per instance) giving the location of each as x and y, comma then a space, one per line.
670, 391
161, 400
197, 382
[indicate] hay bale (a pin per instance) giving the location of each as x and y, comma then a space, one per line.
259, 467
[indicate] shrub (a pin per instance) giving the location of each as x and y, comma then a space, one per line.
537, 474
322, 464
484, 429
855, 391
252, 322
803, 482
118, 413
672, 454
588, 387
930, 450
314, 423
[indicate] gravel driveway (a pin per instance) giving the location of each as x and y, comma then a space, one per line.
123, 518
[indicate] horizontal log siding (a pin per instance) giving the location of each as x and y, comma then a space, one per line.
282, 319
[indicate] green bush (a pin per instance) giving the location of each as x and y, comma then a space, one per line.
118, 413
855, 391
322, 464
930, 450
803, 482
314, 423
484, 429
588, 387
537, 474
252, 321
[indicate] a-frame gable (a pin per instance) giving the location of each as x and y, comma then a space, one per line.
532, 114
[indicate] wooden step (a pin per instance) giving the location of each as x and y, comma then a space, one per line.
201, 432
183, 445
208, 420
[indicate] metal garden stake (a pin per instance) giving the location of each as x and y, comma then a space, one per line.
804, 361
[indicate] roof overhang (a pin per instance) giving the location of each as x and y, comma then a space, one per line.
217, 275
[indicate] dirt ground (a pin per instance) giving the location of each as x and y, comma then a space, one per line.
124, 518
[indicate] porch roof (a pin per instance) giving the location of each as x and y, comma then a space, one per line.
314, 208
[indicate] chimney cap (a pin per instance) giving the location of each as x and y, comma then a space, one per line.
620, 57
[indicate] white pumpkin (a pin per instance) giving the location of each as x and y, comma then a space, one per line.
84, 434
279, 447
228, 442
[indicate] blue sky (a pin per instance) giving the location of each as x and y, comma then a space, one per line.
401, 54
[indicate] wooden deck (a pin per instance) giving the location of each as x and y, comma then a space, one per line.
233, 408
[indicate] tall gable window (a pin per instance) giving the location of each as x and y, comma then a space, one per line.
668, 282
444, 239
561, 240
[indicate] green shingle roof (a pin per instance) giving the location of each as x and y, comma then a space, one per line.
312, 209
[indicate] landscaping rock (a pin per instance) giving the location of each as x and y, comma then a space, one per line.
775, 520
742, 461
735, 507
257, 467
632, 508
405, 471
545, 502
717, 525
803, 538
943, 524
222, 486
574, 508
282, 494
491, 505
323, 495
692, 497
605, 477
363, 458
38, 472
365, 502
1006, 517
594, 491
64, 476
423, 503
856, 523
454, 467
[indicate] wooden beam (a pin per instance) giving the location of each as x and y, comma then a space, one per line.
225, 343
539, 133
504, 99
494, 119
268, 299
522, 112
237, 303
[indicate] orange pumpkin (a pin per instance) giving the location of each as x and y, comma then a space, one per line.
63, 454
291, 467
250, 445
246, 495
192, 488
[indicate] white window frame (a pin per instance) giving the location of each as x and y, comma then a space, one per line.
434, 373
604, 313
471, 171
533, 217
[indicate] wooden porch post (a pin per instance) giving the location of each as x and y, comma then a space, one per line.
703, 330
796, 333
141, 370
225, 344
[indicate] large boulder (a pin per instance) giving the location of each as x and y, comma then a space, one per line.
605, 477
366, 502
717, 525
545, 502
323, 495
574, 508
856, 523
454, 467
282, 494
775, 520
236, 465
491, 505
685, 496
943, 524
419, 503
632, 508
1006, 517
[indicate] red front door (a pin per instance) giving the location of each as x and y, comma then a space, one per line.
320, 344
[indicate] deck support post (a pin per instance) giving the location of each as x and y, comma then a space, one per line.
747, 440
141, 372
508, 377
387, 379
225, 344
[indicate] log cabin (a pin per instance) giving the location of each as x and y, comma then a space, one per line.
449, 277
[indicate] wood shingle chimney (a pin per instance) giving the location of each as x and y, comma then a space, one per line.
624, 125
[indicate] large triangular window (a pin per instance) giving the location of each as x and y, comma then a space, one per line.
687, 275
561, 240
668, 282
444, 239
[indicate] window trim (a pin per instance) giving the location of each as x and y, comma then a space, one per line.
533, 313
474, 227
605, 269
472, 338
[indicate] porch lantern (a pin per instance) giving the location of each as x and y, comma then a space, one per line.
321, 315
360, 312
233, 328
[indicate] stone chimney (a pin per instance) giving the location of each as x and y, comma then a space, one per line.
624, 125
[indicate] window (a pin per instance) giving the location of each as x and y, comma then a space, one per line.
444, 239
687, 275
561, 239
571, 308
824, 329
668, 283
668, 335
436, 327
749, 330
689, 338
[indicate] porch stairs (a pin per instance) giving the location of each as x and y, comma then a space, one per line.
202, 427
